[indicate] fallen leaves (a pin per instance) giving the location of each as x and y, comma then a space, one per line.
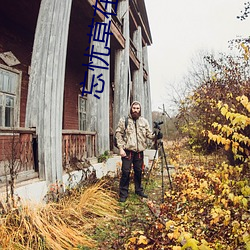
208, 208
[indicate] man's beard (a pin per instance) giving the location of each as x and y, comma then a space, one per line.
135, 115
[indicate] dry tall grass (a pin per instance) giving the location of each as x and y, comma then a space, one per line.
60, 225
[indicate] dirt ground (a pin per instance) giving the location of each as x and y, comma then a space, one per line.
137, 213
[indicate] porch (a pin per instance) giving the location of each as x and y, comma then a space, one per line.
19, 152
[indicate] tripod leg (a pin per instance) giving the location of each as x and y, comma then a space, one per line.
162, 178
165, 158
150, 170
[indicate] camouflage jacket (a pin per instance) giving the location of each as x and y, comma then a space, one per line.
136, 134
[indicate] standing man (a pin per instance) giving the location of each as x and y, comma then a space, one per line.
132, 141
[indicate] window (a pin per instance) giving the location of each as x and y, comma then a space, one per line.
9, 97
82, 112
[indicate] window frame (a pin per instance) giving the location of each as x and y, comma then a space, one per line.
80, 97
17, 96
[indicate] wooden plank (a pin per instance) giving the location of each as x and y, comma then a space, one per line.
117, 34
77, 132
133, 18
17, 130
100, 15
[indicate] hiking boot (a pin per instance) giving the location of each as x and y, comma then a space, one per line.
142, 195
122, 199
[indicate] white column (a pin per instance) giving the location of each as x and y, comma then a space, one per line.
45, 95
98, 109
138, 85
122, 76
148, 106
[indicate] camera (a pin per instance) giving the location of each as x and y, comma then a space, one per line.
157, 125
157, 131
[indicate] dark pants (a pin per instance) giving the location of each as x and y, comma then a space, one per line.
135, 158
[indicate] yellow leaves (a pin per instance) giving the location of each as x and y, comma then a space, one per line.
176, 248
203, 184
245, 191
184, 237
227, 219
246, 239
245, 203
219, 214
137, 232
227, 146
191, 243
214, 77
246, 51
185, 218
231, 196
216, 215
224, 202
229, 135
142, 240
238, 200
138, 239
175, 235
236, 226
133, 240
204, 245
201, 211
169, 224
224, 111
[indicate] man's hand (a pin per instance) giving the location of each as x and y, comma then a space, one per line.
122, 152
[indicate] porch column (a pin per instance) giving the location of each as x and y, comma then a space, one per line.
122, 75
138, 85
147, 104
98, 109
45, 95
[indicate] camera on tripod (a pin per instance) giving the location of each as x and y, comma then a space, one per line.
157, 131
159, 148
157, 125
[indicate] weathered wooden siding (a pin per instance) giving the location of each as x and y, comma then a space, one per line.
122, 74
45, 96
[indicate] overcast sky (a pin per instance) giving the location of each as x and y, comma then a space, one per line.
181, 28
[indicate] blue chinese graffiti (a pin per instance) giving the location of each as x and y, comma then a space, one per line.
99, 32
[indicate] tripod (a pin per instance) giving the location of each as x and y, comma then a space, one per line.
159, 148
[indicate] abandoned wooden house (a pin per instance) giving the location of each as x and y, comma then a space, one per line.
45, 48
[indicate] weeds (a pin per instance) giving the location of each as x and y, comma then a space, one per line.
62, 225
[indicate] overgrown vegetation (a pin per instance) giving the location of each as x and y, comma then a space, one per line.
216, 79
208, 208
234, 135
62, 225
105, 156
11, 169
